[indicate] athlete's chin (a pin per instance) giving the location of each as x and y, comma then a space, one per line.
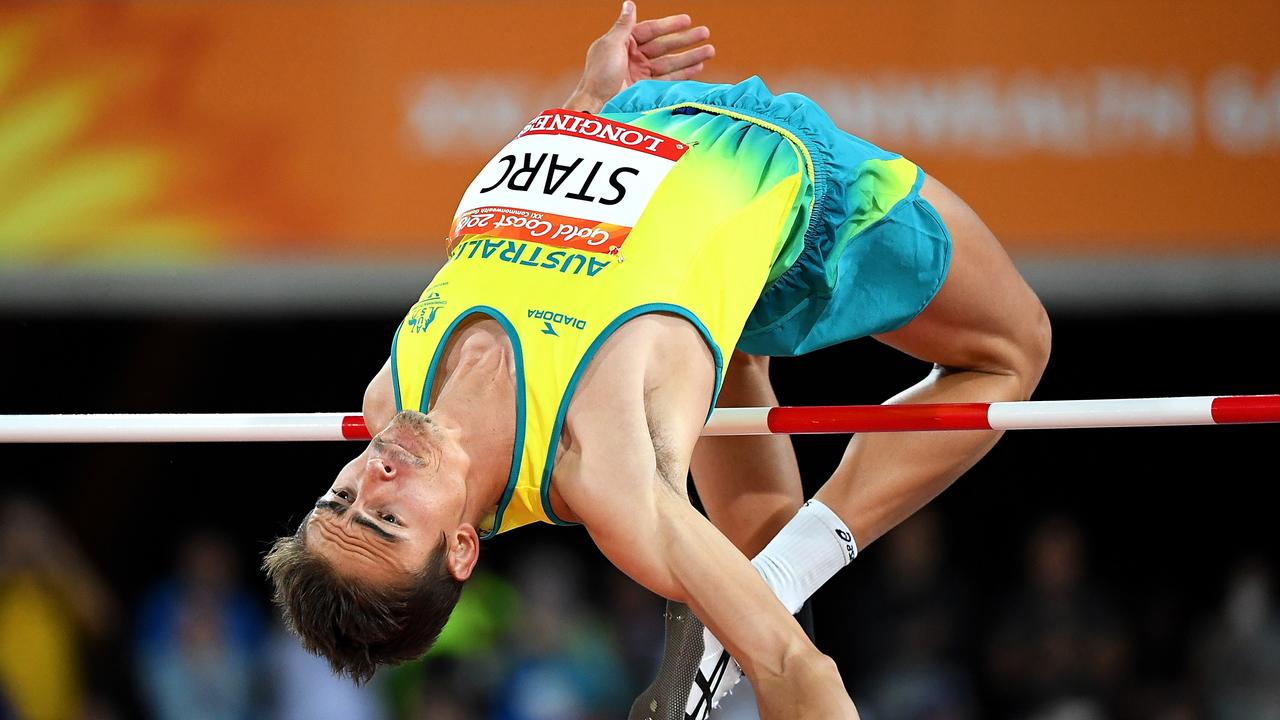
410, 432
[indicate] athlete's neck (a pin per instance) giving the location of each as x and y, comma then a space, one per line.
475, 401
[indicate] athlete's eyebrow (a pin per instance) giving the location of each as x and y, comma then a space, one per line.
376, 528
338, 508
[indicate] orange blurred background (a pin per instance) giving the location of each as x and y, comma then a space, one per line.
157, 132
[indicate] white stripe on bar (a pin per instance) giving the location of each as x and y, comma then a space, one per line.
1056, 414
738, 421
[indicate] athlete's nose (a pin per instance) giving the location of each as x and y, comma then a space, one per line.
381, 469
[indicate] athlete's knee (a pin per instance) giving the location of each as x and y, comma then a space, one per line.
1022, 350
1035, 344
1016, 347
1042, 344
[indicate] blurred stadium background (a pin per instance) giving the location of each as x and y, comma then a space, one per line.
225, 206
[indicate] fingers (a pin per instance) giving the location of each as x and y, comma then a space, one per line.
677, 62
682, 74
671, 42
650, 29
627, 19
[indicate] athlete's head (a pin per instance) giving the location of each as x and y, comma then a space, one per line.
374, 570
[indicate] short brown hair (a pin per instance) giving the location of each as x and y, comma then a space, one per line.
354, 625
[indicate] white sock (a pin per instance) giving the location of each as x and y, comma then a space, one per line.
805, 554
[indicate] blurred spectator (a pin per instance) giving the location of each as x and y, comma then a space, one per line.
1061, 652
198, 639
467, 663
913, 630
564, 664
1240, 657
51, 602
443, 706
304, 688
636, 620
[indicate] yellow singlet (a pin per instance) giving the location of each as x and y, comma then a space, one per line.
582, 223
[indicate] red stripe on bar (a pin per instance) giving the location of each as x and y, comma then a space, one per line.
353, 428
1247, 409
879, 418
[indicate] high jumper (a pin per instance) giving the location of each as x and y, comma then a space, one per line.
620, 268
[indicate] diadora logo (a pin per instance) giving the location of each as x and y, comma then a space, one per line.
551, 319
423, 312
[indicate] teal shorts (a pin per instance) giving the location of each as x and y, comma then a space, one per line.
868, 256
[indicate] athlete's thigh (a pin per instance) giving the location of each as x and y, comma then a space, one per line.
985, 317
750, 484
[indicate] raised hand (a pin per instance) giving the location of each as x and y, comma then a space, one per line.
662, 49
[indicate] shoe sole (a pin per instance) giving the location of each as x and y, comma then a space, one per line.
668, 695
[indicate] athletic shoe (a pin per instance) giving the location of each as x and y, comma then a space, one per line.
695, 674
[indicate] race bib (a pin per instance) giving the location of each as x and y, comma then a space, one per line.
570, 180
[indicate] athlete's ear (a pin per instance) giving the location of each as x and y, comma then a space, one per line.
462, 550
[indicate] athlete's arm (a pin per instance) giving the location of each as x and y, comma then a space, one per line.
661, 49
628, 434
645, 525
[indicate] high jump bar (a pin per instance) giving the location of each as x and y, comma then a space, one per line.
841, 419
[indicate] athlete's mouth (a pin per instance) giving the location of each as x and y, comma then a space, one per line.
396, 451
404, 438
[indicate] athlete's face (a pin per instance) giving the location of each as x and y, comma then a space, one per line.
389, 507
